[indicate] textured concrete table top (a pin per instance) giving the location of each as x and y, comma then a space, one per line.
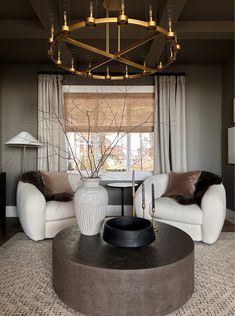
91, 276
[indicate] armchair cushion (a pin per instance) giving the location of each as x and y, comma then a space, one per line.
169, 209
59, 210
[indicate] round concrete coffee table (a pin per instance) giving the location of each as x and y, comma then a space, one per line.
95, 278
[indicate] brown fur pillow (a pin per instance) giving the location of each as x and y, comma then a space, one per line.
35, 178
57, 185
205, 180
182, 184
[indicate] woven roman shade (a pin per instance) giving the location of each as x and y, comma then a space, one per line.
108, 112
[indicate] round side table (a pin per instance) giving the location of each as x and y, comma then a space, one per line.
121, 185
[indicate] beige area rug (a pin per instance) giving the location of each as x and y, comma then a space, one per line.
26, 279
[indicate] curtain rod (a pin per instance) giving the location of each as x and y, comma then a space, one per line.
171, 74
51, 73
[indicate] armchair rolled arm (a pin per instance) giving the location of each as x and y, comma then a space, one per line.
31, 207
213, 207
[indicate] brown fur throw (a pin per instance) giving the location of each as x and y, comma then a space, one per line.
184, 200
34, 177
205, 180
61, 197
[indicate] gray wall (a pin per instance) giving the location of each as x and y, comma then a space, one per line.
228, 170
19, 113
203, 99
203, 116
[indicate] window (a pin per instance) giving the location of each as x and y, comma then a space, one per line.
120, 124
133, 151
142, 153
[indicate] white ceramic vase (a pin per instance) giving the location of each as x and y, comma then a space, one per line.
90, 203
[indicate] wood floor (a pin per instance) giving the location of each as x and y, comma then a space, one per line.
13, 227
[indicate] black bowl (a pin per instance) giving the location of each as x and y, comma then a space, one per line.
128, 231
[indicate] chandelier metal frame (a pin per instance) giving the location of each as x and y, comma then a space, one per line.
65, 35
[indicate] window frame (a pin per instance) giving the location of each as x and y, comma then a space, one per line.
114, 175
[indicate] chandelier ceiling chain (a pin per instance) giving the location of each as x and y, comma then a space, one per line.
65, 35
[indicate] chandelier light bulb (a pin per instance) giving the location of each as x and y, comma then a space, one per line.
144, 71
89, 74
65, 18
122, 7
72, 69
178, 46
170, 24
91, 9
90, 20
150, 13
171, 34
107, 77
59, 61
126, 75
152, 25
51, 38
65, 27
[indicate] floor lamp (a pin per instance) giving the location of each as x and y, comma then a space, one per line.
23, 140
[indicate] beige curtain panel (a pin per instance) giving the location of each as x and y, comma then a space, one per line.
109, 112
53, 155
169, 129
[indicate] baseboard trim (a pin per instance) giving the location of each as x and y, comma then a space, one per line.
113, 210
230, 215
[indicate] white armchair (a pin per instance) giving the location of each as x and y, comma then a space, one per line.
201, 223
40, 219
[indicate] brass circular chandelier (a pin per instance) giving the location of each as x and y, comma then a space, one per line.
66, 36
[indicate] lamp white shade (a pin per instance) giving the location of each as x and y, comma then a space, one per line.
23, 139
